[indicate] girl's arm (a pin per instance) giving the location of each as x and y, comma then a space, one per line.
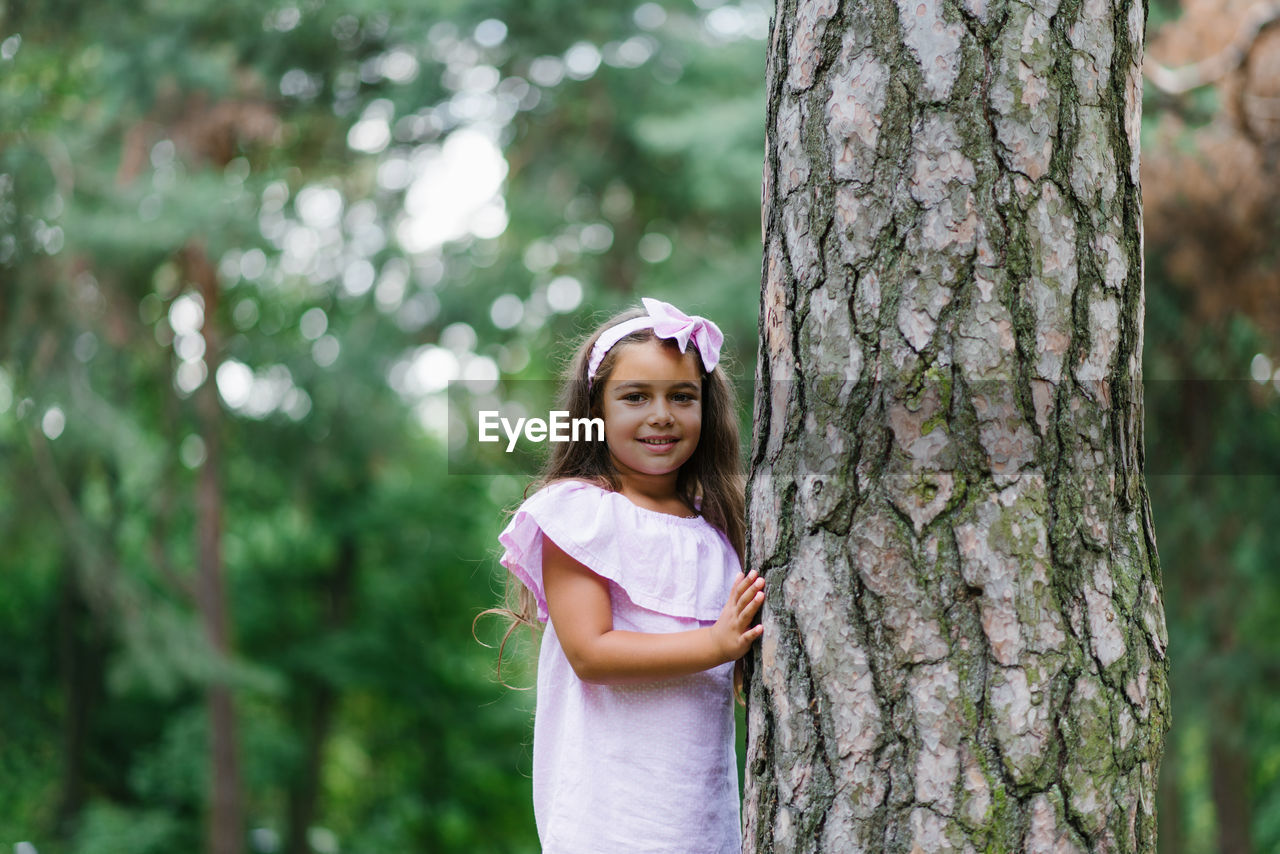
581, 611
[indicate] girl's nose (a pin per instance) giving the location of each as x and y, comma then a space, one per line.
660, 414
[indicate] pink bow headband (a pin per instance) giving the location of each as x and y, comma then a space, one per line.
667, 321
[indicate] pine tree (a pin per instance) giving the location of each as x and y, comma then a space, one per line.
964, 639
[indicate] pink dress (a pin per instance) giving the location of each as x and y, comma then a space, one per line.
640, 767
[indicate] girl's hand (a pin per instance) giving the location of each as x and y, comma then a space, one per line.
733, 633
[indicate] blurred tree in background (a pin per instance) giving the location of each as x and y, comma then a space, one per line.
324, 211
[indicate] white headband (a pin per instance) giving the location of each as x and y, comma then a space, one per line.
666, 321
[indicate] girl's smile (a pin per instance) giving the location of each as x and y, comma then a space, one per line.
660, 444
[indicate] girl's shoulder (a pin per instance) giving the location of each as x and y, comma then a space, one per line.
565, 502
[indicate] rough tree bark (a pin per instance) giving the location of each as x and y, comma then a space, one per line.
964, 639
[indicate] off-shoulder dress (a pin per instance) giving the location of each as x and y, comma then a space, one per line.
638, 767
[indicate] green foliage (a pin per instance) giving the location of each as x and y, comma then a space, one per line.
110, 829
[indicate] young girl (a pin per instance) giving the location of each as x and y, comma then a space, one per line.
632, 548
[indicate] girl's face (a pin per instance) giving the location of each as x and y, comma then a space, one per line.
652, 405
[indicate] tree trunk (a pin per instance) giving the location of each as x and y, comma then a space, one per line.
964, 639
225, 831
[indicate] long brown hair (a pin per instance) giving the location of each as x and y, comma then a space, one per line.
712, 475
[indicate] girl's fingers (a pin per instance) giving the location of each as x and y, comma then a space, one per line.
748, 595
747, 613
745, 600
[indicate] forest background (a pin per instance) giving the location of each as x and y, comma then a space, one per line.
245, 248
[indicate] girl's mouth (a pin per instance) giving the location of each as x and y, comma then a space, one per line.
659, 444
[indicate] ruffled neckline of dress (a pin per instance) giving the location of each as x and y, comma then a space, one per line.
676, 565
